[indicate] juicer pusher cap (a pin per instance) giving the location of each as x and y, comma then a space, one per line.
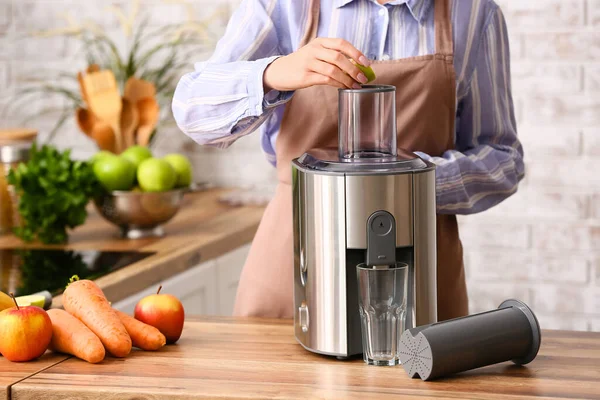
509, 333
367, 142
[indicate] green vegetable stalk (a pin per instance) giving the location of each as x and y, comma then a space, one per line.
53, 194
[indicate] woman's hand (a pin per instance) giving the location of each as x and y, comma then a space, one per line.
323, 61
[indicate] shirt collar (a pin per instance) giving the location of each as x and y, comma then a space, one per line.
418, 8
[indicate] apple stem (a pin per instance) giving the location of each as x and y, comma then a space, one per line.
12, 295
159, 288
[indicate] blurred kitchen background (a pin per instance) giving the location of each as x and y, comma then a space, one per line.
541, 246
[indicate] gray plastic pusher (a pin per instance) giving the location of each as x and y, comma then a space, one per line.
509, 333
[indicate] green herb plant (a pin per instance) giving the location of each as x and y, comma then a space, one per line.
53, 191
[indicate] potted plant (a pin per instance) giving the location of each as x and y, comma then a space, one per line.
156, 55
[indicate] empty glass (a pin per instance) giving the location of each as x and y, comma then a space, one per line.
382, 303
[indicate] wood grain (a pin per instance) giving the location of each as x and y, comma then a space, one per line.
260, 359
203, 229
11, 373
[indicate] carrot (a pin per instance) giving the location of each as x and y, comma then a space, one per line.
84, 300
143, 336
71, 336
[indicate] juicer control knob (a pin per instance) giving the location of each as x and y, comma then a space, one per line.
303, 317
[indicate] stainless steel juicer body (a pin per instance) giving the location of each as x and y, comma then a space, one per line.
335, 191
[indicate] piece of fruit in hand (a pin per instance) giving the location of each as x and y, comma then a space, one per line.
368, 71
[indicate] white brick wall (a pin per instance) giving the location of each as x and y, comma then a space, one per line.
556, 83
541, 246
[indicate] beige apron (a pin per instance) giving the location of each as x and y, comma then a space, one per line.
425, 109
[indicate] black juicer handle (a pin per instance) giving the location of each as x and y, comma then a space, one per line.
381, 239
511, 332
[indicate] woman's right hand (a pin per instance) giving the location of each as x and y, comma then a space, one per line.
323, 61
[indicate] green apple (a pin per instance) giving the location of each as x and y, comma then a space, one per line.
136, 154
182, 167
31, 300
156, 175
115, 173
101, 154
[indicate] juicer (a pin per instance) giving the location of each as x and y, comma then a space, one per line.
364, 202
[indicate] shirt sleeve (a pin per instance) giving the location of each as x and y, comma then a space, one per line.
487, 165
223, 99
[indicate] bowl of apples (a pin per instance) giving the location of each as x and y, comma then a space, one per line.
141, 192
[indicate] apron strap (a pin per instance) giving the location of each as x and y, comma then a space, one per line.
444, 43
312, 22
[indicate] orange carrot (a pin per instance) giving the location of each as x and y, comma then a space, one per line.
71, 336
143, 336
85, 300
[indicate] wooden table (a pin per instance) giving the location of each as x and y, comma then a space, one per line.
230, 358
11, 373
203, 229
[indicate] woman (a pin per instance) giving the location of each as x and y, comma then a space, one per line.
278, 67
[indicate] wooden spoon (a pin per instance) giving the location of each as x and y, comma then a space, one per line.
105, 101
149, 112
82, 87
86, 120
104, 136
138, 89
93, 68
129, 122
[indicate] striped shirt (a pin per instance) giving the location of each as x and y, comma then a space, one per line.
223, 99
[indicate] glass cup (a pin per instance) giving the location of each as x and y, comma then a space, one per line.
382, 303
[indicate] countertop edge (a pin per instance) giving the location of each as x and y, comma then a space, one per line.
208, 244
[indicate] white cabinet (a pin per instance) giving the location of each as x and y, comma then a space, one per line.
207, 289
229, 269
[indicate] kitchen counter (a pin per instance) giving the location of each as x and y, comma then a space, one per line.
233, 358
11, 373
202, 230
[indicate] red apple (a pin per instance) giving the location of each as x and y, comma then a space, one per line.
164, 312
25, 332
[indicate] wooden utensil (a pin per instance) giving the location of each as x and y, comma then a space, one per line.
129, 122
104, 136
149, 111
105, 101
93, 68
85, 120
17, 135
138, 89
90, 69
82, 87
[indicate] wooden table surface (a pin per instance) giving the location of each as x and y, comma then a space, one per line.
11, 373
229, 358
203, 229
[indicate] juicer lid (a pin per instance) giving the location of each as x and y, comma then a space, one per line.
329, 160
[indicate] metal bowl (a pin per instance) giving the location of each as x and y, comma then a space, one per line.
141, 214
